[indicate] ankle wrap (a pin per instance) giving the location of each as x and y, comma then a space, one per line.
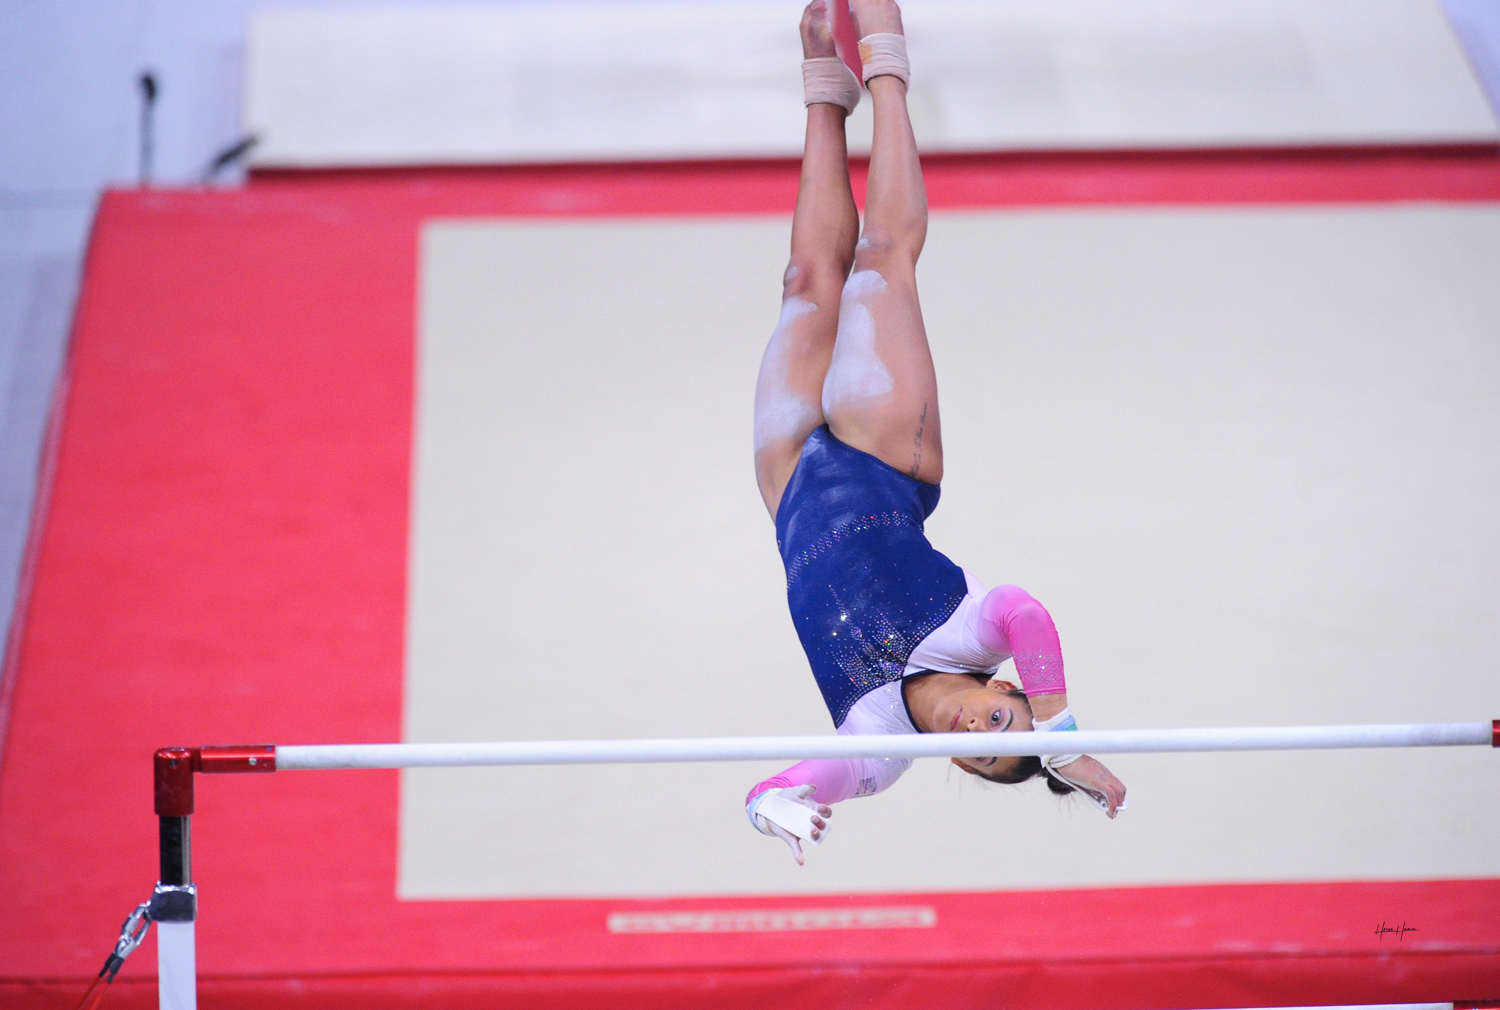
829, 79
885, 53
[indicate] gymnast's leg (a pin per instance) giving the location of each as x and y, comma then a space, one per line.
880, 394
824, 229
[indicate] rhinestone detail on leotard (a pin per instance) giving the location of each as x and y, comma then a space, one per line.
821, 545
874, 657
863, 584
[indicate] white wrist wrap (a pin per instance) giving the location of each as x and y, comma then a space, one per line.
1061, 722
884, 53
1053, 763
788, 815
828, 79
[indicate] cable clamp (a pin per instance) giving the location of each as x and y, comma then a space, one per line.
174, 903
131, 935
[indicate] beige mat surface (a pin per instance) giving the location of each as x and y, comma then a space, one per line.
1249, 459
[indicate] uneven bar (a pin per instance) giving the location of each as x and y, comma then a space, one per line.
795, 748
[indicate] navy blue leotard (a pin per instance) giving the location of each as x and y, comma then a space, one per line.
864, 585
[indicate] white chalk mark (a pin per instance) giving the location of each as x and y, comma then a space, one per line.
780, 411
856, 371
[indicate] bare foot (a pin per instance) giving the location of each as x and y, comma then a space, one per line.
873, 17
817, 31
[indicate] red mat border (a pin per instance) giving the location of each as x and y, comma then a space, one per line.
1347, 174
268, 451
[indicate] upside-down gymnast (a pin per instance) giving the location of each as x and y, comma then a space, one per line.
848, 457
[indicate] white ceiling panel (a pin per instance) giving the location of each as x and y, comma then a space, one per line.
617, 81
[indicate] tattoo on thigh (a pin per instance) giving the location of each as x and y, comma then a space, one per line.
916, 444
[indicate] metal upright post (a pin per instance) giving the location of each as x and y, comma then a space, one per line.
174, 903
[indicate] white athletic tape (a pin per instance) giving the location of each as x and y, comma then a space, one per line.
885, 53
828, 79
1062, 722
788, 815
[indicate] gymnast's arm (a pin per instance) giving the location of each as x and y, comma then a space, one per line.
1010, 620
816, 784
837, 780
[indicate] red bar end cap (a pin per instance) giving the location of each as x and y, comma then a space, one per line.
1495, 732
174, 768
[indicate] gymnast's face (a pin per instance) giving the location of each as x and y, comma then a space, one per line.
991, 708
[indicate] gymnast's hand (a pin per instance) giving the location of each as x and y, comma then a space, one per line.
1097, 782
801, 795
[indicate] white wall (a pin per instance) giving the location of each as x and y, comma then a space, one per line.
579, 81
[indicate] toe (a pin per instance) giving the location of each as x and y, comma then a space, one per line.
872, 17
817, 32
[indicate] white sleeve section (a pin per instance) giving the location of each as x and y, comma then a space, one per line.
880, 711
879, 774
954, 646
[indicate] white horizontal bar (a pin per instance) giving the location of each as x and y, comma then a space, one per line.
794, 748
1365, 1006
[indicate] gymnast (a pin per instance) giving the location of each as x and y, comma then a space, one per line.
848, 457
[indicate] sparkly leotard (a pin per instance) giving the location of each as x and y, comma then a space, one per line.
874, 602
864, 585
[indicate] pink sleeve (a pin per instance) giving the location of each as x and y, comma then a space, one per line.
836, 780
1011, 621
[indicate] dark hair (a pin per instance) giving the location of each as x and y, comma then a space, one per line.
1025, 768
